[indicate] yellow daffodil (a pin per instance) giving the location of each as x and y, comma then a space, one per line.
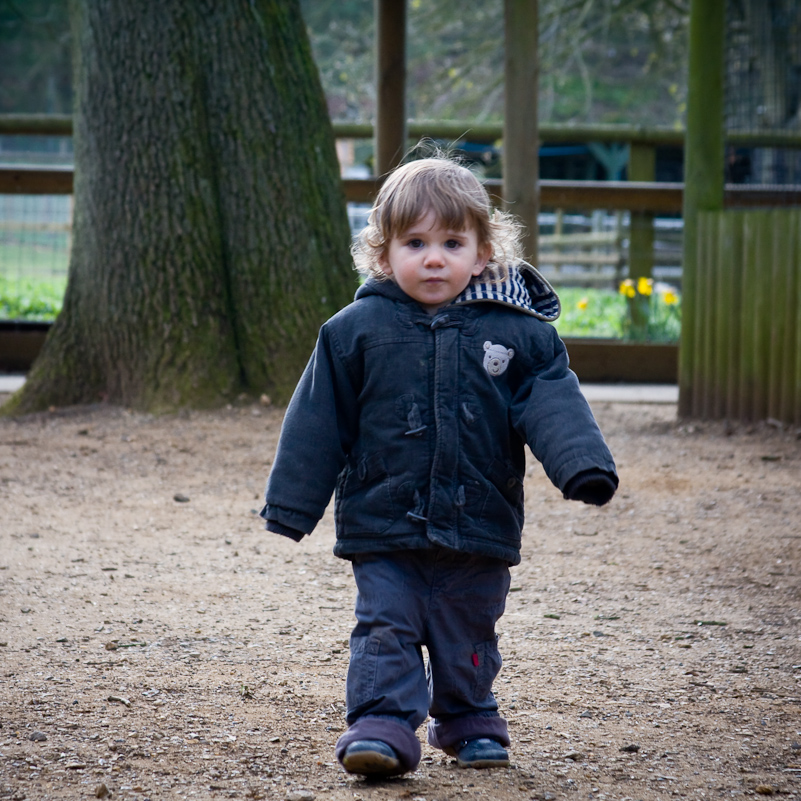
645, 286
671, 298
582, 304
627, 288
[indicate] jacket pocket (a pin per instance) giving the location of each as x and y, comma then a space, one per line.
364, 500
506, 481
503, 506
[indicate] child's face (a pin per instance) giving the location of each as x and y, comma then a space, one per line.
433, 264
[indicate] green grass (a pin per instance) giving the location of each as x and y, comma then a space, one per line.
603, 316
603, 313
593, 313
31, 298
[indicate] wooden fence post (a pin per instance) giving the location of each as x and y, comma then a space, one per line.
520, 134
703, 183
642, 167
390, 123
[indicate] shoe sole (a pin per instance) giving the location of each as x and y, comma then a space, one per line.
371, 763
484, 763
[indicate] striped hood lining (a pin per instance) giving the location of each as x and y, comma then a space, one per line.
524, 288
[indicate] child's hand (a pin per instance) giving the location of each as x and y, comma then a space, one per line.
591, 486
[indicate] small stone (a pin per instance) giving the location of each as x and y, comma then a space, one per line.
630, 749
573, 756
301, 795
180, 497
118, 699
101, 791
764, 789
266, 400
38, 737
586, 714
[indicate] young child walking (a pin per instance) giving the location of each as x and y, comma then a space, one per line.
415, 408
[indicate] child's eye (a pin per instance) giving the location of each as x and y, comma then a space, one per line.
452, 244
415, 243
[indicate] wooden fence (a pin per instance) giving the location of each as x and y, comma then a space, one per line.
594, 360
746, 335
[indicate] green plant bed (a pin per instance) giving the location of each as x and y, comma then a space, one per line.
605, 314
31, 299
586, 313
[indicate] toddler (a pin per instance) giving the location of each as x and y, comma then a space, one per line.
415, 408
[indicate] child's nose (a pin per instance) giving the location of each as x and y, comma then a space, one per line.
434, 257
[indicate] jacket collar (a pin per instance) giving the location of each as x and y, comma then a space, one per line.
524, 289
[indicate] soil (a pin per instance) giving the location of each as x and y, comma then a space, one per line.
156, 642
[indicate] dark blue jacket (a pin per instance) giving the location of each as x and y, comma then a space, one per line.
419, 422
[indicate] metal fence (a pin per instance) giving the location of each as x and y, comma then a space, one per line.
35, 236
35, 229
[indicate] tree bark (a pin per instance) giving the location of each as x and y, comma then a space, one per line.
210, 232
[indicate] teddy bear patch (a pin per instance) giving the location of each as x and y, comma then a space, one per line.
496, 358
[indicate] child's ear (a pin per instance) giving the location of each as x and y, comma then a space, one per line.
484, 253
383, 263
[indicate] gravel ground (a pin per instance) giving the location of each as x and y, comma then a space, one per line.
157, 643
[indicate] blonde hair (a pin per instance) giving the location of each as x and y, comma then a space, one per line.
458, 201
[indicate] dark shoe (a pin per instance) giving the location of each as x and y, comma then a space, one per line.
481, 753
372, 758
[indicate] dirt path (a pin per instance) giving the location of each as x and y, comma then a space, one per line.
156, 643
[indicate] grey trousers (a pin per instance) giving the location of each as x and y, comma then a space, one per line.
448, 602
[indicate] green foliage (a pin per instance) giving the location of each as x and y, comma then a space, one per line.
342, 34
622, 61
654, 311
590, 313
35, 70
31, 299
600, 61
603, 313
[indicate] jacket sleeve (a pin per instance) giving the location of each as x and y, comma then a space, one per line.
552, 415
317, 434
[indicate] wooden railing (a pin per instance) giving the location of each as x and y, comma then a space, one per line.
451, 131
643, 198
625, 195
640, 195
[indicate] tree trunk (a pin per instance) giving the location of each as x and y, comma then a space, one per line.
210, 232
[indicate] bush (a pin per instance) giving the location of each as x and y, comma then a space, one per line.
603, 313
31, 299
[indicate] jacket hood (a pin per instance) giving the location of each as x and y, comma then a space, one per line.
524, 289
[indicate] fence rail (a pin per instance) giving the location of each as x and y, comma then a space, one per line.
453, 130
624, 195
